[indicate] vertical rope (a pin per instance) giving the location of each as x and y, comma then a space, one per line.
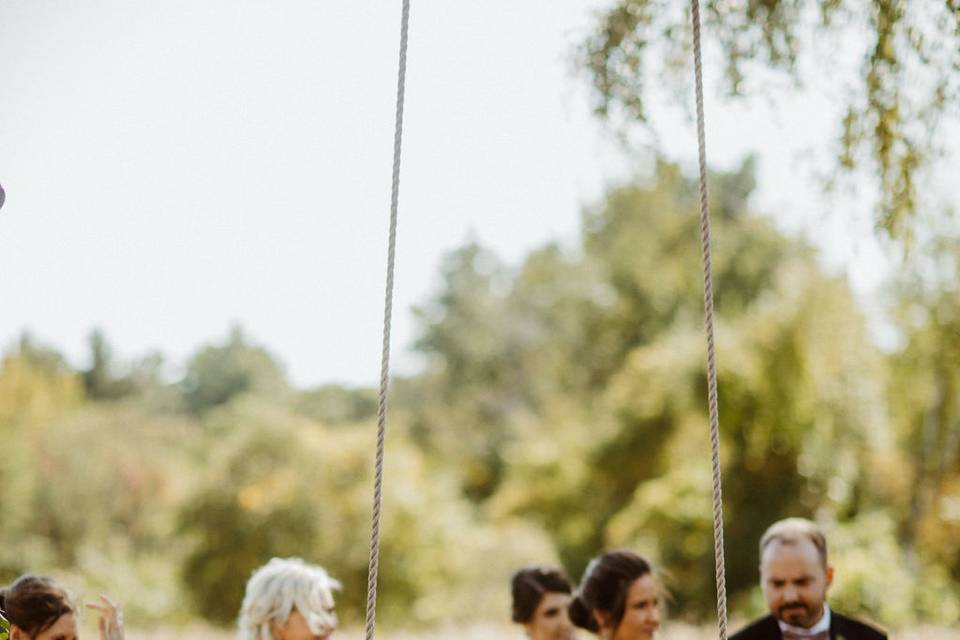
374, 566
708, 324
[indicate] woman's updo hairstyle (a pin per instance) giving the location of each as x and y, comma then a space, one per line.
604, 586
528, 586
34, 603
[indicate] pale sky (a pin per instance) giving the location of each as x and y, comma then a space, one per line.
174, 167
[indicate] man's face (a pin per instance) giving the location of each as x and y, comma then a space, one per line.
794, 581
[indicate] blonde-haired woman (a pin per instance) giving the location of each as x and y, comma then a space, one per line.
288, 599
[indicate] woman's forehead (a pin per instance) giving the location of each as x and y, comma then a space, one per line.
65, 626
643, 588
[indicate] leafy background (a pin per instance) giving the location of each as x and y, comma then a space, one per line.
560, 409
559, 412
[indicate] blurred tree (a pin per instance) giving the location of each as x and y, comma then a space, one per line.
561, 411
279, 485
582, 397
925, 392
90, 482
35, 382
797, 416
217, 374
471, 383
337, 404
899, 592
36, 388
908, 82
501, 346
99, 378
102, 381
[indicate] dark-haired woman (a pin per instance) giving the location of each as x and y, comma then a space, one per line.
619, 598
37, 608
541, 597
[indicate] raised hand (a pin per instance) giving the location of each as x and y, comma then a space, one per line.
111, 618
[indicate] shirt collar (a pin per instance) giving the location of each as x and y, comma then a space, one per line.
823, 624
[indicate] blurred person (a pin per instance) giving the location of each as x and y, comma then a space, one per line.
795, 576
618, 598
288, 599
541, 597
37, 608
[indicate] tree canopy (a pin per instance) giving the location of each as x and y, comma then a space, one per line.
560, 411
893, 107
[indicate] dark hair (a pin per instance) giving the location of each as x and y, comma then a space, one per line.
604, 586
528, 586
34, 603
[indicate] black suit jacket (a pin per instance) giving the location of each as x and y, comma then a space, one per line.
841, 628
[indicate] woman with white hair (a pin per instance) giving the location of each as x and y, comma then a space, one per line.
288, 599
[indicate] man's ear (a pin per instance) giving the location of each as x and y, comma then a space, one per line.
828, 573
16, 633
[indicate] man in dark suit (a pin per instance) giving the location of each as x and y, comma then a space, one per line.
795, 576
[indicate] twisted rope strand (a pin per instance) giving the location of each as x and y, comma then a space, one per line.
373, 570
708, 324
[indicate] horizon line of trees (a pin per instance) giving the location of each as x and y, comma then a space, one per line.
560, 411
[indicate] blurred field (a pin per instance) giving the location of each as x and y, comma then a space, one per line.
500, 632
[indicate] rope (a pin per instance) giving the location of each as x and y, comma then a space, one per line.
374, 566
708, 323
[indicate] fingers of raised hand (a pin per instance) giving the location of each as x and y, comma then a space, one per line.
111, 618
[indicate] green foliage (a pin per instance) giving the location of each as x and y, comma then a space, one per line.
334, 404
868, 542
215, 375
907, 86
35, 384
561, 412
88, 494
574, 386
99, 379
925, 398
103, 381
281, 485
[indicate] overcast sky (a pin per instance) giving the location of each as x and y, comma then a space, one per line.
174, 167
